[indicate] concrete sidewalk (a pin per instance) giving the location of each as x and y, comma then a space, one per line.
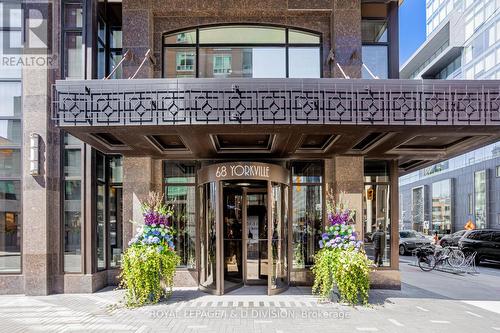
421, 305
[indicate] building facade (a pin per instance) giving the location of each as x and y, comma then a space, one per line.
445, 196
463, 42
246, 117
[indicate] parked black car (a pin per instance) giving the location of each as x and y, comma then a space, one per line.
452, 239
485, 242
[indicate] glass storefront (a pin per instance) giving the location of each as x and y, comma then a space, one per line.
180, 190
376, 212
307, 213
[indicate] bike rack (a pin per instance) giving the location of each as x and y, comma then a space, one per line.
467, 267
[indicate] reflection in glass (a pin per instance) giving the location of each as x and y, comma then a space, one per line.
115, 169
233, 237
242, 35
417, 210
180, 172
307, 172
441, 207
72, 162
301, 37
279, 232
115, 225
480, 208
183, 199
307, 223
304, 62
10, 163
101, 228
208, 239
73, 55
10, 132
242, 51
72, 226
185, 37
10, 226
374, 31
73, 15
375, 57
179, 62
257, 267
257, 62
377, 223
10, 95
72, 192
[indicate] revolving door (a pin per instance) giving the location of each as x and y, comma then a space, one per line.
243, 227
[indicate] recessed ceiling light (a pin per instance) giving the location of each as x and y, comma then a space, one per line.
243, 184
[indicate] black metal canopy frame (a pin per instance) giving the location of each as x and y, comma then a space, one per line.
275, 101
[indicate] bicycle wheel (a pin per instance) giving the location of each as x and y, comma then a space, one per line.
427, 263
456, 258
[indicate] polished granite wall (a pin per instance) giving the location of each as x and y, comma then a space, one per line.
338, 21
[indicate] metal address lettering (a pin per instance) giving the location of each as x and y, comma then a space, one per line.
240, 170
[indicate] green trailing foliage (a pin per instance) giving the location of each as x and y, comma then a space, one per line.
341, 264
149, 263
348, 271
147, 274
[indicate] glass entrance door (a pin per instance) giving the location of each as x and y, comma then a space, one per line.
243, 227
232, 233
255, 248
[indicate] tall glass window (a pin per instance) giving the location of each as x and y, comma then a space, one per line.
480, 200
180, 190
377, 212
418, 210
10, 176
109, 38
375, 48
115, 221
72, 27
100, 212
307, 223
72, 204
242, 51
11, 31
442, 207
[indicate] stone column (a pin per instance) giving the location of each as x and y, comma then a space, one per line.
137, 183
137, 36
40, 193
34, 190
346, 37
348, 184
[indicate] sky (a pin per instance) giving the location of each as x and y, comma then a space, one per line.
411, 27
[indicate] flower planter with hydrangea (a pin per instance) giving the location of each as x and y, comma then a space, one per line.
149, 263
341, 268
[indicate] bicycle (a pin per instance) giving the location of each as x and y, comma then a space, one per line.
429, 257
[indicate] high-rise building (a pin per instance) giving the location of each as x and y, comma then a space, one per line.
463, 42
244, 114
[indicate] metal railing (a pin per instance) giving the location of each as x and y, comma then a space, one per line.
275, 101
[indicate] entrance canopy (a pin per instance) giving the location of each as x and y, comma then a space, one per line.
418, 122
